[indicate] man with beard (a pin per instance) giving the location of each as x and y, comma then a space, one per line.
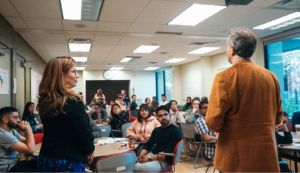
12, 142
163, 139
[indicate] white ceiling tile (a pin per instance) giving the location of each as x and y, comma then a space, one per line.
262, 4
113, 26
124, 48
133, 40
102, 48
79, 54
144, 28
29, 37
51, 38
107, 39
122, 11
93, 62
166, 49
46, 59
42, 53
7, 9
37, 46
200, 30
56, 46
38, 8
117, 55
16, 22
157, 40
100, 55
80, 36
174, 28
54, 54
162, 12
185, 41
89, 25
43, 23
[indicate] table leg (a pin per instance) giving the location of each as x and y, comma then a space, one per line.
295, 161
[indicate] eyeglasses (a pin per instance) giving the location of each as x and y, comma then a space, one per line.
161, 115
14, 117
204, 108
75, 72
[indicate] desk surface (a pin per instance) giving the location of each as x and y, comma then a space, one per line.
104, 150
295, 146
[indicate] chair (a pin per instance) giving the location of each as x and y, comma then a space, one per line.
38, 138
176, 155
105, 130
132, 119
205, 143
122, 162
124, 128
188, 132
134, 113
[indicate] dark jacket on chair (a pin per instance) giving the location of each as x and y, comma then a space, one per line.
295, 120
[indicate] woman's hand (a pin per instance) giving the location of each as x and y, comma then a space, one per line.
145, 136
90, 158
108, 120
138, 137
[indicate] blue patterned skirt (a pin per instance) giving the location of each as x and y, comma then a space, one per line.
45, 164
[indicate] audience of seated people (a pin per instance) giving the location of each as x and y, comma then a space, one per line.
143, 126
188, 104
11, 142
30, 116
99, 115
163, 139
164, 100
117, 119
205, 133
175, 116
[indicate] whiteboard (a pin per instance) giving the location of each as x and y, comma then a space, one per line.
35, 80
192, 89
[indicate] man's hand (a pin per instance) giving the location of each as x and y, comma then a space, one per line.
143, 159
90, 158
23, 125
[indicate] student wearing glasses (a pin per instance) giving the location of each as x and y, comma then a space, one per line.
99, 115
163, 139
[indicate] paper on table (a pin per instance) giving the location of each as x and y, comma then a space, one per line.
108, 141
120, 139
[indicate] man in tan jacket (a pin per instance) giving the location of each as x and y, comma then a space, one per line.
245, 106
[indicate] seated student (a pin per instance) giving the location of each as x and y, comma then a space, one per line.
99, 115
164, 100
104, 104
287, 137
117, 119
96, 131
188, 104
154, 106
148, 101
295, 120
175, 115
163, 139
205, 133
154, 98
11, 142
101, 102
142, 128
119, 101
192, 114
134, 105
31, 117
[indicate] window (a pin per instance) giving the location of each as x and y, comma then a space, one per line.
164, 84
283, 59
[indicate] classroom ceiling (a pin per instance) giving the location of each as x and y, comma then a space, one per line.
124, 25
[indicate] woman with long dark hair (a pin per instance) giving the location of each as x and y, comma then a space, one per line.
142, 128
68, 142
117, 119
154, 106
30, 116
99, 95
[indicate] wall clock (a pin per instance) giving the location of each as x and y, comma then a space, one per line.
108, 74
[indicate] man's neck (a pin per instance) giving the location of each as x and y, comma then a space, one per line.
234, 59
5, 127
165, 126
164, 100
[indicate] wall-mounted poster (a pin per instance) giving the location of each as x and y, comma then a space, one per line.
35, 80
4, 81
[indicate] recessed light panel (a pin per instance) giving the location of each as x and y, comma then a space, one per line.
80, 59
204, 50
175, 60
151, 68
145, 49
74, 47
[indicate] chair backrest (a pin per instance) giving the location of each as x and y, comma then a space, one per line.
177, 152
134, 113
122, 162
124, 128
105, 130
188, 130
38, 138
132, 119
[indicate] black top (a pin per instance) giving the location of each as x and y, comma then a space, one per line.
133, 106
164, 140
117, 121
68, 136
286, 139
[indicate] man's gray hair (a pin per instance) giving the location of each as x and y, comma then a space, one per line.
243, 40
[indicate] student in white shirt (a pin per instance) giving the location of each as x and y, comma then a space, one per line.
164, 100
175, 116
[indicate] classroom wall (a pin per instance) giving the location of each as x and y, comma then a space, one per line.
144, 84
12, 39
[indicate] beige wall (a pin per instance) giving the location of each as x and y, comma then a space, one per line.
205, 69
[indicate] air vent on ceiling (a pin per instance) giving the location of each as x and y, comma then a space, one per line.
237, 2
80, 25
194, 44
287, 4
79, 40
152, 62
174, 33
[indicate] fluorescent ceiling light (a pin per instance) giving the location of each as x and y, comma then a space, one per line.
151, 68
204, 50
126, 59
80, 68
196, 14
81, 9
175, 60
80, 59
279, 21
145, 49
116, 68
74, 47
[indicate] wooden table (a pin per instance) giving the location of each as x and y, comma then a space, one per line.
100, 151
295, 147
